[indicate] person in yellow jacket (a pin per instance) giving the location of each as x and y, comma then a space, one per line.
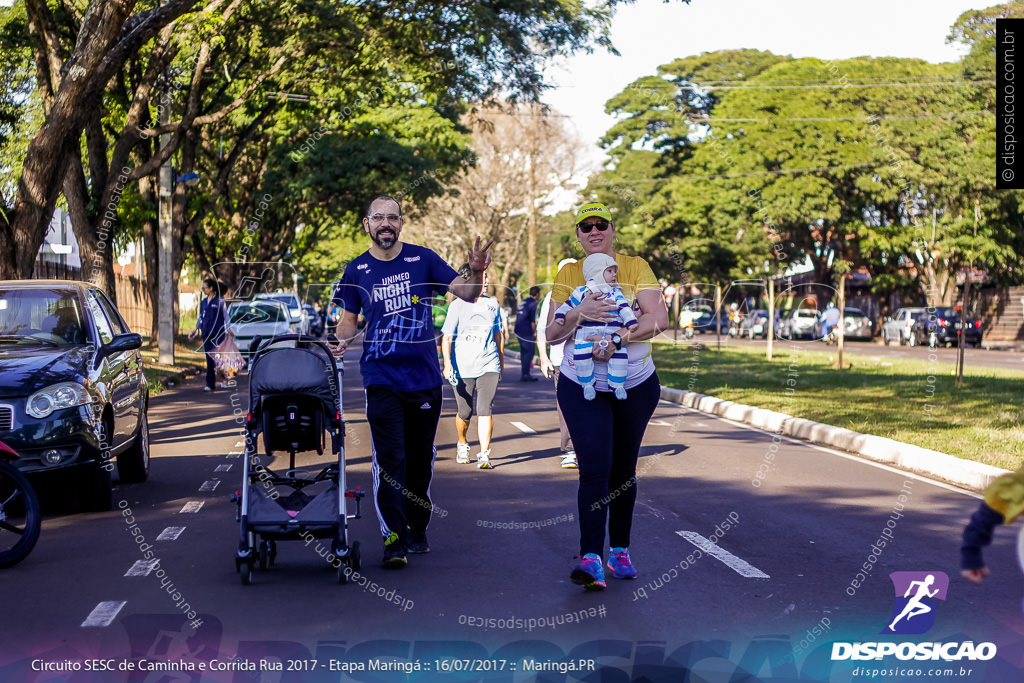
1004, 502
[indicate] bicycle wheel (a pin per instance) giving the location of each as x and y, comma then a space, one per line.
20, 519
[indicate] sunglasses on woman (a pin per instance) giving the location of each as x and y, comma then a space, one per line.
585, 228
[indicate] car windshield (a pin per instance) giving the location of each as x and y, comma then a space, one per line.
287, 299
45, 316
255, 313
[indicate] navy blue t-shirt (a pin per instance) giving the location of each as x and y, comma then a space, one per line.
526, 316
394, 296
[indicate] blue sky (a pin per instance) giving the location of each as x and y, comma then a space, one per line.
650, 33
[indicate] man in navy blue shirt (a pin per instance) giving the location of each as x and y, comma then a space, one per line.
213, 318
393, 284
526, 331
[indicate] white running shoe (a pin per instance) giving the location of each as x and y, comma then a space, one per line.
462, 453
569, 461
483, 461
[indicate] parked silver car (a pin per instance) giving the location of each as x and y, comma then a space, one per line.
264, 318
898, 326
297, 317
798, 324
856, 325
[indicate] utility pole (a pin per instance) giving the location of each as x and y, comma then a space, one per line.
718, 316
771, 317
531, 217
962, 331
165, 257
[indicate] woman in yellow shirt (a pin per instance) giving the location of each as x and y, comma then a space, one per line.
607, 432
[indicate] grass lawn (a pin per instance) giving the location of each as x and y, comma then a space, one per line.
185, 354
912, 401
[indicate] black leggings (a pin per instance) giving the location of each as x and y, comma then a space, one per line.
607, 433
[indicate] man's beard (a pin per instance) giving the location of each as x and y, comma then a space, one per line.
385, 243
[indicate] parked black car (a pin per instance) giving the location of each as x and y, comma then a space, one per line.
73, 394
944, 327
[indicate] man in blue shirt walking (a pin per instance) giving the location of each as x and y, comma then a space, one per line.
526, 331
393, 284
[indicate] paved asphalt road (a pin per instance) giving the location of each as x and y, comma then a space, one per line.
783, 586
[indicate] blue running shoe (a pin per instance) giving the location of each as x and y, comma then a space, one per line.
589, 573
618, 562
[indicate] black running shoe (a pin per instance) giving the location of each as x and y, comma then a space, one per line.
418, 544
394, 553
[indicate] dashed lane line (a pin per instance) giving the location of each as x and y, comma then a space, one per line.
191, 507
171, 533
737, 564
142, 567
104, 613
524, 428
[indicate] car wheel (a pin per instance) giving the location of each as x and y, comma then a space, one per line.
885, 339
903, 340
133, 464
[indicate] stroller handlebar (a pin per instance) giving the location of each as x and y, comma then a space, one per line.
260, 345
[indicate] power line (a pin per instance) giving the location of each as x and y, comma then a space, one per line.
699, 119
821, 85
734, 175
839, 85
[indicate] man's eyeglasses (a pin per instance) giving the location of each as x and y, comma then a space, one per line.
379, 218
585, 228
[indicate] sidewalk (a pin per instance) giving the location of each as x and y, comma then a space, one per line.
966, 473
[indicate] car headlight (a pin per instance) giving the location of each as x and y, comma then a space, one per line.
56, 397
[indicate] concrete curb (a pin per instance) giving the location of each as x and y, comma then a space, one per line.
967, 473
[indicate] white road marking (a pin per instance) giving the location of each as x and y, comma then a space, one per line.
737, 564
659, 423
855, 458
239, 444
525, 429
142, 567
210, 485
223, 468
171, 533
234, 455
191, 507
104, 613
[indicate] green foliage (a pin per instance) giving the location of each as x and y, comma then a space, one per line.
20, 109
744, 161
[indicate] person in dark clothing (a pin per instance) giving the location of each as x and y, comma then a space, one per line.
526, 331
393, 284
212, 326
1004, 502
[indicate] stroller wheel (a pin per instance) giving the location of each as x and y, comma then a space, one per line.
354, 559
247, 574
344, 570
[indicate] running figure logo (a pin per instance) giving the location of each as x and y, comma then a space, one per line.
916, 593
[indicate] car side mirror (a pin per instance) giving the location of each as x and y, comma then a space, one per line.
122, 342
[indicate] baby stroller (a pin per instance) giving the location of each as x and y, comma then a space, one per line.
294, 397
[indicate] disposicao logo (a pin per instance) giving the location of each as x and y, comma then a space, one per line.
916, 595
